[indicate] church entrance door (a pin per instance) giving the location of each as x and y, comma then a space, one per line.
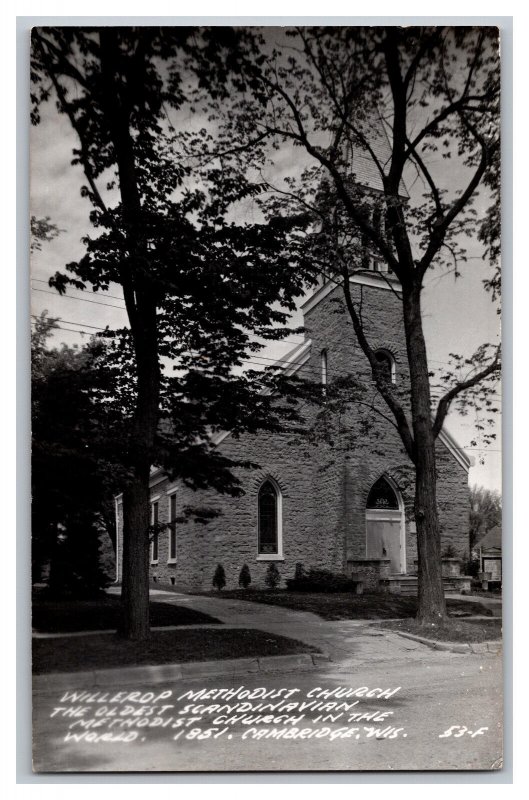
385, 525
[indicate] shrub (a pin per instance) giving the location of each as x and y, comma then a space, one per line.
299, 572
449, 551
219, 578
245, 578
320, 580
272, 577
472, 567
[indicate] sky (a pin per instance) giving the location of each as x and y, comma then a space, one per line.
458, 314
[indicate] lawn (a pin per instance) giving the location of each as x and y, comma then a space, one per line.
102, 651
344, 605
67, 616
453, 630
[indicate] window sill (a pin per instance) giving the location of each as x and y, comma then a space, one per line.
270, 557
171, 560
154, 563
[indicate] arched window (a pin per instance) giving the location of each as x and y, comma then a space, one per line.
387, 363
269, 544
382, 495
323, 367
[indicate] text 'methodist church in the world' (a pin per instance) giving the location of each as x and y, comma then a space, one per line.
350, 513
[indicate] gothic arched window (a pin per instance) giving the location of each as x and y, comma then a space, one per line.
387, 364
323, 357
382, 495
269, 520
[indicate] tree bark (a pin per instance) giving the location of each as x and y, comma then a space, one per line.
431, 600
135, 567
140, 302
136, 505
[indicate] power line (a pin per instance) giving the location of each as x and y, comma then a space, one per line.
261, 358
81, 299
278, 361
485, 450
75, 289
122, 308
71, 322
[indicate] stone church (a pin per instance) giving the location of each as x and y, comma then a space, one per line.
348, 511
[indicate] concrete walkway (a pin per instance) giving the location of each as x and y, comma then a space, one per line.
345, 646
348, 643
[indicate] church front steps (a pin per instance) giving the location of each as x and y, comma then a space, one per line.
407, 585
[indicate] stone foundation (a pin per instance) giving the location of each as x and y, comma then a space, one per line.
370, 571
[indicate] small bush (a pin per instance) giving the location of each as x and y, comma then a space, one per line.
472, 567
449, 551
299, 572
272, 577
320, 580
219, 578
245, 578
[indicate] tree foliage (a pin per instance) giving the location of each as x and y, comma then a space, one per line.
272, 576
219, 578
361, 113
245, 577
197, 286
373, 111
485, 512
74, 469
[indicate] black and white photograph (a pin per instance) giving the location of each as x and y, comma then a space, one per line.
266, 398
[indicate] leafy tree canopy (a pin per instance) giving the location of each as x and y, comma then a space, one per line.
485, 512
207, 286
74, 466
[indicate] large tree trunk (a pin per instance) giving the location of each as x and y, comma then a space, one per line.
432, 606
135, 587
140, 302
136, 505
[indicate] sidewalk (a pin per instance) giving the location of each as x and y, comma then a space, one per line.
345, 645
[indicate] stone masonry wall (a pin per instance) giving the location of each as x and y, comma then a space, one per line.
324, 490
309, 519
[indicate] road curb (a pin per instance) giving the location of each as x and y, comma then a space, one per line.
454, 647
164, 673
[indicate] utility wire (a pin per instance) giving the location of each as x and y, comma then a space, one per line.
75, 289
249, 362
81, 299
122, 308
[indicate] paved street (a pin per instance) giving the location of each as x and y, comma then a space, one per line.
303, 726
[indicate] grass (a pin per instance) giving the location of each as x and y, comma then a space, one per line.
493, 595
68, 616
453, 630
102, 651
344, 605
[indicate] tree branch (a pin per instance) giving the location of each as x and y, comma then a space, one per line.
444, 403
66, 106
382, 386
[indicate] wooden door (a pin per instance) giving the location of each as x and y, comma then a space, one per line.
383, 538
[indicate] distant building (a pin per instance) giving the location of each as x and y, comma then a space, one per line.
489, 553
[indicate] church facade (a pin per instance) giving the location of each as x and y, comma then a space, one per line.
348, 510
